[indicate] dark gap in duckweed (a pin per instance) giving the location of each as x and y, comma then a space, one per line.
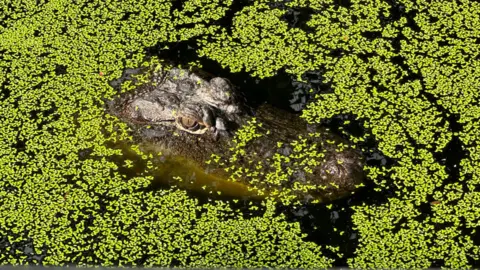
85, 18
451, 156
396, 12
126, 16
51, 112
24, 247
365, 57
3, 24
44, 116
176, 5
68, 181
426, 212
344, 3
411, 23
142, 260
411, 76
371, 34
296, 17
105, 200
88, 215
19, 145
443, 43
10, 188
454, 151
400, 224
396, 44
63, 30
176, 263
44, 74
2, 53
5, 93
73, 221
432, 19
438, 264
476, 241
84, 154
336, 53
60, 70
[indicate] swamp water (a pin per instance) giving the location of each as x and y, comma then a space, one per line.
317, 221
322, 223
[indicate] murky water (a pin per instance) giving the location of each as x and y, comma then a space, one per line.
181, 172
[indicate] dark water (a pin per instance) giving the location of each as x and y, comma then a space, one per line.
283, 91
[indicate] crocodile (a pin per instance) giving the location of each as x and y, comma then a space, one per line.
192, 116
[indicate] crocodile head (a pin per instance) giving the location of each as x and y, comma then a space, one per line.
183, 114
184, 101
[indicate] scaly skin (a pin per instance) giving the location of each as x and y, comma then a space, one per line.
188, 117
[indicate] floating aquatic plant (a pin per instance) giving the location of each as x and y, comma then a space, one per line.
408, 69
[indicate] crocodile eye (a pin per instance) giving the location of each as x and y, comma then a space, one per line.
190, 125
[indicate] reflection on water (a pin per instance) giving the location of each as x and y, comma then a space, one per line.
187, 175
179, 171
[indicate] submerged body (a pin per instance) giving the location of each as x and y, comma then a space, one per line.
192, 118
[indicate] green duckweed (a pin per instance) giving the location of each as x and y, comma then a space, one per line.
412, 77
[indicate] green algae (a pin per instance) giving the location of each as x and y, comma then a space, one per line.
406, 76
